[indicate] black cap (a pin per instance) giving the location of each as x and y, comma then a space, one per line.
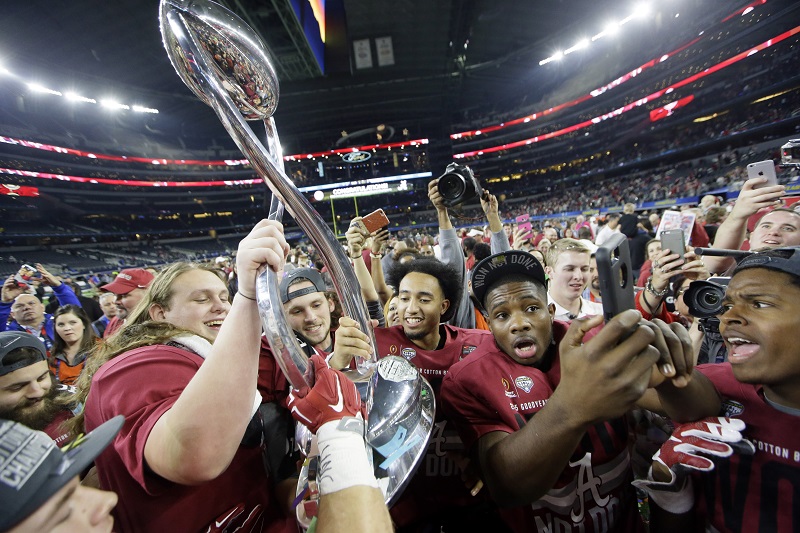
785, 259
32, 468
498, 266
11, 340
300, 274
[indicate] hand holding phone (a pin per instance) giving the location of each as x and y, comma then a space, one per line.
674, 241
373, 221
524, 224
762, 169
615, 275
26, 276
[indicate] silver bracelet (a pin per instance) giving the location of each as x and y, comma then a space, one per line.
649, 288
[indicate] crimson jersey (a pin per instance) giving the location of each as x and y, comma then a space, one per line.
143, 384
491, 392
437, 483
759, 492
272, 384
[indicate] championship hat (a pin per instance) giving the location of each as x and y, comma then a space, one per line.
33, 468
498, 266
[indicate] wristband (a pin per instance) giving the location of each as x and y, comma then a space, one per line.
245, 296
343, 456
649, 288
375, 256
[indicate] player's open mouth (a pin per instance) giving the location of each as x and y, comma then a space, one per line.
741, 349
413, 321
525, 348
215, 324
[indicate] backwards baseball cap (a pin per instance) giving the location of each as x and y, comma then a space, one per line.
11, 340
301, 274
498, 266
786, 259
33, 468
129, 279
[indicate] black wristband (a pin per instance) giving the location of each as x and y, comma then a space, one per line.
245, 296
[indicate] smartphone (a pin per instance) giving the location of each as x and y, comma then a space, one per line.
615, 275
374, 221
524, 223
763, 169
673, 239
26, 275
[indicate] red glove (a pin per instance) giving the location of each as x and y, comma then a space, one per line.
715, 436
332, 397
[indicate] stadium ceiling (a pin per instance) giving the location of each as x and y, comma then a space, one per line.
452, 58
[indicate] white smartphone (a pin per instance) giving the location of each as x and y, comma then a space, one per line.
762, 169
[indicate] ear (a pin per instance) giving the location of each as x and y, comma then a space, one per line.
157, 313
331, 305
548, 270
552, 309
445, 306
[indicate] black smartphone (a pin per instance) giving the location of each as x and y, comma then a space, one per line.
673, 240
615, 275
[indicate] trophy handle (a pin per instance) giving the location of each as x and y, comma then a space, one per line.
181, 28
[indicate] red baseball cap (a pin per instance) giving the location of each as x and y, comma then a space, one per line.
129, 279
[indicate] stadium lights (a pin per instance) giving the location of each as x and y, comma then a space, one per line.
583, 43
142, 109
75, 97
111, 104
641, 10
35, 87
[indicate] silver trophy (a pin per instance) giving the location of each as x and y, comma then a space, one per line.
225, 63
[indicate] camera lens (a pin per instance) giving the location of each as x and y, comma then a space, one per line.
710, 299
451, 186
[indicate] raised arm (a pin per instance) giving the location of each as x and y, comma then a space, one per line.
499, 242
378, 279
64, 293
731, 233
197, 438
355, 245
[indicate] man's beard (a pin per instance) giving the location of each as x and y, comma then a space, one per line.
596, 284
37, 414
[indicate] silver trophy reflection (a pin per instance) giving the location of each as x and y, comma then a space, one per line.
225, 63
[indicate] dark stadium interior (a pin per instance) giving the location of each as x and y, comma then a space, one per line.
458, 66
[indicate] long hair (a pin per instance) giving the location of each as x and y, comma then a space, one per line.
88, 340
139, 330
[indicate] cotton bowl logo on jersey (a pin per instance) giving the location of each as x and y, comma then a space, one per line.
466, 350
524, 382
732, 408
408, 353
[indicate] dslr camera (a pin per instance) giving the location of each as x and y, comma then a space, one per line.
790, 153
704, 298
458, 184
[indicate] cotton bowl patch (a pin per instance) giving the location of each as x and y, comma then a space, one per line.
524, 382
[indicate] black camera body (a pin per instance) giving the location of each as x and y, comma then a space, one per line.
704, 298
458, 184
